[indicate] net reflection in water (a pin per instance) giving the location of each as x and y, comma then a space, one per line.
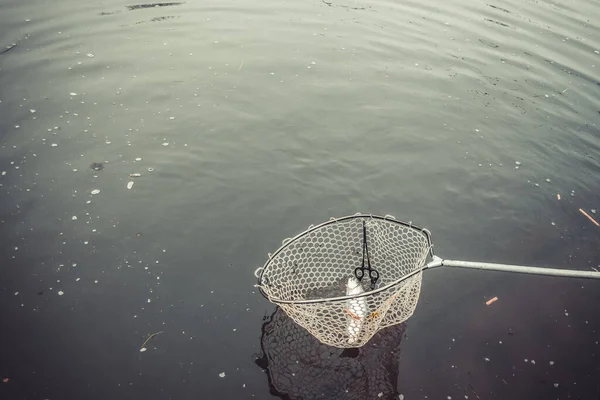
300, 367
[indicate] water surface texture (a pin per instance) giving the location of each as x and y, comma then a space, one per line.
152, 154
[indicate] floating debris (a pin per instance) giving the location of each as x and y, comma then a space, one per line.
73, 94
90, 55
129, 184
138, 159
74, 217
551, 362
149, 337
558, 196
150, 169
141, 6
97, 166
490, 301
95, 191
222, 375
143, 349
135, 175
589, 217
8, 48
165, 144
60, 292
32, 111
54, 145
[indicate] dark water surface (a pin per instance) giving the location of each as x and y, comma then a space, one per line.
248, 121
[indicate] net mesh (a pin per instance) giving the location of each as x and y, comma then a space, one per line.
306, 275
300, 367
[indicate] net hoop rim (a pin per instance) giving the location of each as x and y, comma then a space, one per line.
333, 220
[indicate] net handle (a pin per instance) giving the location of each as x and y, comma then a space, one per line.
521, 269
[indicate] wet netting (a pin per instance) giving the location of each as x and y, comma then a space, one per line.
301, 367
318, 276
348, 278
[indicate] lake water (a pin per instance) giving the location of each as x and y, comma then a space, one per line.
249, 121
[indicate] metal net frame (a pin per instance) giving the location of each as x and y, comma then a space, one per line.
310, 275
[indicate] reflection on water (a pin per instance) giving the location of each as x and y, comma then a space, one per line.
299, 367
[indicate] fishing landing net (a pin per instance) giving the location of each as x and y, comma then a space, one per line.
346, 279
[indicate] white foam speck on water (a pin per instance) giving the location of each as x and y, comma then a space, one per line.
138, 159
551, 362
16, 293
32, 111
556, 385
74, 217
90, 55
129, 184
149, 301
95, 191
3, 173
73, 94
165, 144
54, 145
77, 280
